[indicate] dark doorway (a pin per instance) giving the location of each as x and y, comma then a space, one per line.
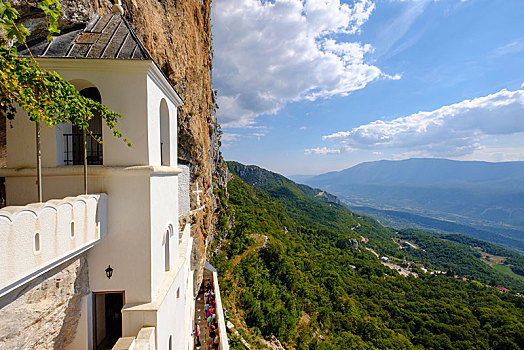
107, 318
3, 199
74, 141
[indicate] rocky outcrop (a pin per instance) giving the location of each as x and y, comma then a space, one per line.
354, 243
273, 344
47, 310
73, 12
178, 36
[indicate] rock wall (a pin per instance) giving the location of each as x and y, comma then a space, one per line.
44, 313
177, 33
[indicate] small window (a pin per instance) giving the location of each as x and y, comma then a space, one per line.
170, 342
72, 229
165, 142
178, 293
36, 246
167, 262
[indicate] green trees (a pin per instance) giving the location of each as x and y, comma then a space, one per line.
313, 291
44, 95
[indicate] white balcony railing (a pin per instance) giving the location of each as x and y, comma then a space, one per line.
37, 237
210, 270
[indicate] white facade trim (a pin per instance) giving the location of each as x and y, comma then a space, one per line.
92, 170
165, 86
100, 65
93, 64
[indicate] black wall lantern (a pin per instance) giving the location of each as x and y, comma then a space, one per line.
109, 272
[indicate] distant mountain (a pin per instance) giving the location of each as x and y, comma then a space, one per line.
301, 178
269, 182
486, 196
427, 171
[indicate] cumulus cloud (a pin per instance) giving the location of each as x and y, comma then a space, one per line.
453, 130
322, 151
269, 53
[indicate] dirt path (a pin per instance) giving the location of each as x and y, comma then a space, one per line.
260, 241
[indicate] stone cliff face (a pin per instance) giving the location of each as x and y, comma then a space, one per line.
177, 33
44, 313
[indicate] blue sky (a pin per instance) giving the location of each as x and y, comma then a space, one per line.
309, 86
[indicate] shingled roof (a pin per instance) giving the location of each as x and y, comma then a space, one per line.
109, 37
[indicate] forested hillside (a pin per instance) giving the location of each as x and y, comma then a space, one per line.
480, 199
297, 265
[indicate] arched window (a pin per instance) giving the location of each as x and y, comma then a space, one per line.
167, 239
165, 144
73, 140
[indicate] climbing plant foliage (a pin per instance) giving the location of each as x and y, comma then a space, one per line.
44, 95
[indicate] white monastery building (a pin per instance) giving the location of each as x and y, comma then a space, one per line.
129, 228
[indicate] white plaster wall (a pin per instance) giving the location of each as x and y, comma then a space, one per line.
23, 190
172, 319
19, 261
145, 339
190, 312
154, 98
133, 321
168, 322
164, 212
127, 245
183, 190
122, 85
82, 337
21, 142
168, 311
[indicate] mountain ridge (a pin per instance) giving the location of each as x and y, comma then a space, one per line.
425, 171
487, 196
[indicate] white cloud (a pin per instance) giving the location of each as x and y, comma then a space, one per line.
451, 131
303, 127
510, 48
496, 154
322, 151
228, 137
269, 53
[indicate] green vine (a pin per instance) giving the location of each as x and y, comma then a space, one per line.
44, 95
